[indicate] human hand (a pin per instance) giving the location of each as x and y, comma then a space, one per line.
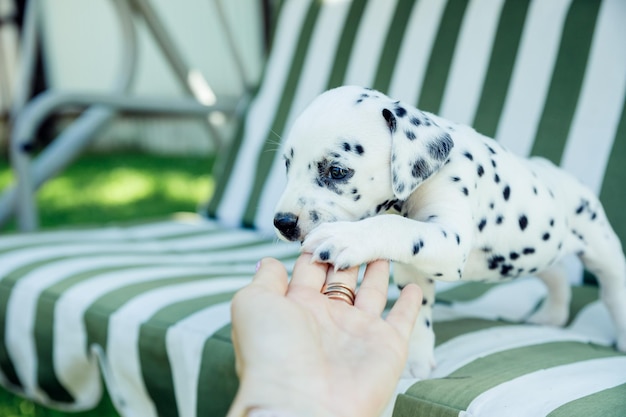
298, 350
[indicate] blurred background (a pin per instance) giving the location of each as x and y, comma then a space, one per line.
136, 164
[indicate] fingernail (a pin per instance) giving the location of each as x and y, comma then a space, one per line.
258, 265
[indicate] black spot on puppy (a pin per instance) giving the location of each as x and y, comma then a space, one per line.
482, 224
415, 121
347, 147
439, 148
359, 149
495, 261
400, 111
480, 171
421, 169
324, 255
523, 222
417, 246
505, 269
390, 119
410, 135
506, 193
468, 156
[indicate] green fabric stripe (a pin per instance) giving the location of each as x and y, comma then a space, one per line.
223, 170
342, 56
612, 194
447, 330
607, 403
501, 63
441, 56
266, 156
391, 50
155, 364
464, 292
567, 78
217, 380
407, 406
457, 390
6, 364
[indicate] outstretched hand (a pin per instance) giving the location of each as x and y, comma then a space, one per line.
300, 351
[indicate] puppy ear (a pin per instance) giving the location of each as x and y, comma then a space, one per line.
419, 147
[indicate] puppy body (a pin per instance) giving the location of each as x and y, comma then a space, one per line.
373, 178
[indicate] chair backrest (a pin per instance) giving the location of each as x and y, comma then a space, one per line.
542, 77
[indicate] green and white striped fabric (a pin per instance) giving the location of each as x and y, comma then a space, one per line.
146, 307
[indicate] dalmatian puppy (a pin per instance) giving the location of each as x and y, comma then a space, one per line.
369, 177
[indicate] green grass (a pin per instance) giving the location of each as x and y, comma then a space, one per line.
98, 189
101, 188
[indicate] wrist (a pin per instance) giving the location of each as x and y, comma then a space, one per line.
271, 398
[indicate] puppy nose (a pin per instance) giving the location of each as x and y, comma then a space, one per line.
287, 224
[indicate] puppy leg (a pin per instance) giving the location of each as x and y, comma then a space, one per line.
603, 256
421, 358
554, 310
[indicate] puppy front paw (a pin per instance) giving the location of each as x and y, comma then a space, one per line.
339, 243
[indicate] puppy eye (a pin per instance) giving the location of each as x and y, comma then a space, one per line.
337, 172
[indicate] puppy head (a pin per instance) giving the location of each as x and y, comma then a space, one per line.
352, 154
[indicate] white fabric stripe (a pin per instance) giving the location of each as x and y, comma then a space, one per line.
521, 394
415, 50
261, 113
144, 231
370, 39
599, 108
511, 301
595, 322
531, 76
10, 261
470, 61
123, 340
185, 342
313, 80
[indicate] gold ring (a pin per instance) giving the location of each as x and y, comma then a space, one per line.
339, 291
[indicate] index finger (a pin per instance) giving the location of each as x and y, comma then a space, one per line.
308, 274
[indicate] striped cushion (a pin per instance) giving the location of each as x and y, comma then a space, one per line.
146, 307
